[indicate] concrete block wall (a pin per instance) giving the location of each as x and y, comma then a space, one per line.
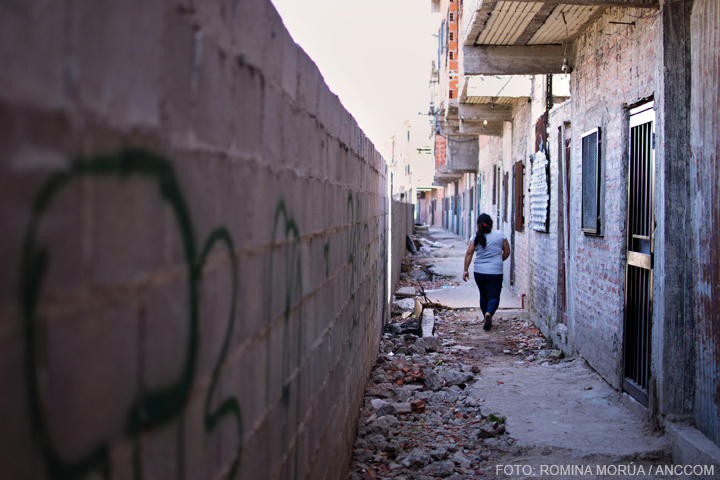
194, 265
614, 68
403, 224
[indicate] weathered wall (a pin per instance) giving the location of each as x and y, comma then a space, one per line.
402, 226
705, 114
520, 152
544, 245
673, 311
194, 265
614, 68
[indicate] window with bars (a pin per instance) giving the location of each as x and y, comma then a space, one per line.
591, 181
452, 36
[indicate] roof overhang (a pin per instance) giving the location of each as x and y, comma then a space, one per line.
528, 37
491, 129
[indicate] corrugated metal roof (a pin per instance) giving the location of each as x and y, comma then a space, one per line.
510, 19
495, 100
553, 30
507, 22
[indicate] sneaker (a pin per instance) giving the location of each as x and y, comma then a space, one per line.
488, 322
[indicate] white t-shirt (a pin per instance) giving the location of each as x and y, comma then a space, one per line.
489, 260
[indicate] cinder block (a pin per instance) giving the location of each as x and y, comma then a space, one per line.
116, 58
127, 237
182, 54
167, 333
325, 108
247, 109
272, 125
234, 186
307, 148
253, 298
160, 453
197, 175
33, 53
216, 19
309, 81
196, 438
255, 457
17, 448
59, 230
290, 71
216, 324
290, 139
246, 377
274, 37
303, 452
215, 117
250, 30
88, 372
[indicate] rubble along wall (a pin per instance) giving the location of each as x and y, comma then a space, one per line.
193, 246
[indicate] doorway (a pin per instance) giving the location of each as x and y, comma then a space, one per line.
639, 266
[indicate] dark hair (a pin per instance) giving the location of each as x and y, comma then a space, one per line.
484, 225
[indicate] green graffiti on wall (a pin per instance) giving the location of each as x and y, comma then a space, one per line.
286, 234
154, 408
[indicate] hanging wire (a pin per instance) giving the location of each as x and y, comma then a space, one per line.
455, 141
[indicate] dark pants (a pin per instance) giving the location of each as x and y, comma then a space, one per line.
490, 287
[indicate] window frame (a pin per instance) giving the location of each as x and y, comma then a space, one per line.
597, 230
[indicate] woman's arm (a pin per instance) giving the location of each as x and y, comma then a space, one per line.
468, 259
506, 250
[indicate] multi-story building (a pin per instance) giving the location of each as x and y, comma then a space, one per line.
412, 167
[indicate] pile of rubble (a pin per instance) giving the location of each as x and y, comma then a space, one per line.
419, 419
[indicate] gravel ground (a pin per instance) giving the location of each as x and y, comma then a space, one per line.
466, 403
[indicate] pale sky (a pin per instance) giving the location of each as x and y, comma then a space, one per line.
374, 54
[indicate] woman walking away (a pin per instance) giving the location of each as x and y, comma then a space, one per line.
491, 248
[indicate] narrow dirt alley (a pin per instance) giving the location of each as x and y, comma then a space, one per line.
465, 403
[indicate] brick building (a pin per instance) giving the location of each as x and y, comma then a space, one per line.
582, 127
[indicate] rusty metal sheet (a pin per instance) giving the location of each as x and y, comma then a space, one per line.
705, 115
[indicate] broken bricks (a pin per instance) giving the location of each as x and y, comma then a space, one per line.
417, 406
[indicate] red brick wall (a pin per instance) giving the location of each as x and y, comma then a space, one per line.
440, 151
614, 68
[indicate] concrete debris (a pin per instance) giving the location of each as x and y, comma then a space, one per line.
469, 380
441, 469
405, 303
419, 418
405, 292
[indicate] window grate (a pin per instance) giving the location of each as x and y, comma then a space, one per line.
591, 182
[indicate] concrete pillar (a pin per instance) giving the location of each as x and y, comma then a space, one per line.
673, 317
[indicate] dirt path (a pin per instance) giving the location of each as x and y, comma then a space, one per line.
497, 404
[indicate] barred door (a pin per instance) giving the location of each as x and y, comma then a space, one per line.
639, 267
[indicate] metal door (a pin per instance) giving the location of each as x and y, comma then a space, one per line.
639, 266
